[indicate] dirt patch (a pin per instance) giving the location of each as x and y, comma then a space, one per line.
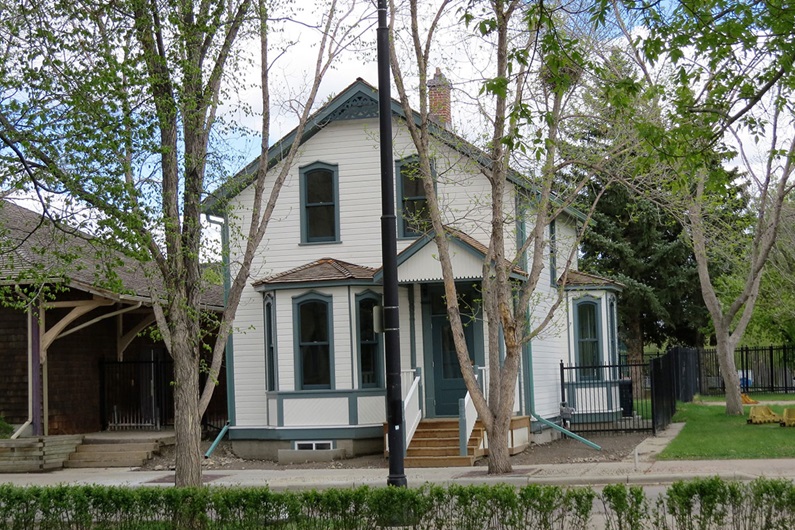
615, 447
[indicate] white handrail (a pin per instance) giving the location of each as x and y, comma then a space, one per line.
412, 412
406, 380
410, 386
467, 416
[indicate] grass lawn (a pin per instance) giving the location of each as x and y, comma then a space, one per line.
712, 435
758, 397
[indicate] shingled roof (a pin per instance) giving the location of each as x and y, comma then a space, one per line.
34, 249
578, 279
322, 270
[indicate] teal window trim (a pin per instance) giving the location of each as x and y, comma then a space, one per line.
404, 231
271, 357
553, 254
306, 344
593, 343
308, 206
364, 343
521, 226
612, 330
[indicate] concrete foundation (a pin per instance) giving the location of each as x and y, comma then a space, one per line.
284, 451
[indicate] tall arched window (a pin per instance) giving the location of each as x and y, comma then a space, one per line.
270, 344
587, 338
314, 342
370, 364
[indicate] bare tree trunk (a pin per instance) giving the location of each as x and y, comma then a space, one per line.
731, 379
187, 424
499, 454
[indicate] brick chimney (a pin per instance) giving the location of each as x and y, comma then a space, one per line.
439, 99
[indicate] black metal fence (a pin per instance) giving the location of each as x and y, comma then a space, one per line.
761, 369
140, 395
625, 397
606, 398
664, 382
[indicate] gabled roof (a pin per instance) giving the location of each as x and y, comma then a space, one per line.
460, 240
322, 270
34, 249
359, 100
583, 280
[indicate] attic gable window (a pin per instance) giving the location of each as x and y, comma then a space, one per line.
319, 203
413, 217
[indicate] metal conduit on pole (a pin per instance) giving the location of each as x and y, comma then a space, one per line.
394, 398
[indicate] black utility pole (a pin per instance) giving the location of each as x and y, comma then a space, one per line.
394, 398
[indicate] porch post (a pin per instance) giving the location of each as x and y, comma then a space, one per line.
36, 317
394, 398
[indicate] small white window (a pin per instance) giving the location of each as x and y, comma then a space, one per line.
313, 446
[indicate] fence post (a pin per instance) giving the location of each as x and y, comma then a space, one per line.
562, 384
772, 372
786, 377
652, 377
744, 368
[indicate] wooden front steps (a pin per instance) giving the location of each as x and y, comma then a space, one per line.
435, 444
112, 452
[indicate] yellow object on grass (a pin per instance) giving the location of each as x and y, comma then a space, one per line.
763, 414
747, 400
788, 418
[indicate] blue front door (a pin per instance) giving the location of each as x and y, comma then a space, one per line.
449, 384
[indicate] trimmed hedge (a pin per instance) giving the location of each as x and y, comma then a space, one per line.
699, 504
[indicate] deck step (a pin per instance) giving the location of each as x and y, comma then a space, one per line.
106, 460
439, 461
150, 447
105, 451
435, 444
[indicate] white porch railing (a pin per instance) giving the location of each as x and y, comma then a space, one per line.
467, 415
412, 409
411, 389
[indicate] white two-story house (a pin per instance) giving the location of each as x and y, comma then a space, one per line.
305, 365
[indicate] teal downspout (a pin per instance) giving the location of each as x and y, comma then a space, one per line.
532, 409
230, 349
217, 441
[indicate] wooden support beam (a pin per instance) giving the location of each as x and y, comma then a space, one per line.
124, 340
79, 308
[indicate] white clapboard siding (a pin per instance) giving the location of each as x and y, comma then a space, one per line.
352, 145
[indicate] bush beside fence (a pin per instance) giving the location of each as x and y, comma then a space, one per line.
764, 504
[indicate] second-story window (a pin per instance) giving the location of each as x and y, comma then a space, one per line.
319, 203
413, 217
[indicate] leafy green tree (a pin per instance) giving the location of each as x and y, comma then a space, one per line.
728, 98
117, 107
538, 65
639, 244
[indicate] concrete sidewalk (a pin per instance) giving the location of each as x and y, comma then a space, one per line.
560, 474
638, 468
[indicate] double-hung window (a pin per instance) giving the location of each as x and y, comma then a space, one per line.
319, 203
314, 342
369, 344
588, 340
413, 217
